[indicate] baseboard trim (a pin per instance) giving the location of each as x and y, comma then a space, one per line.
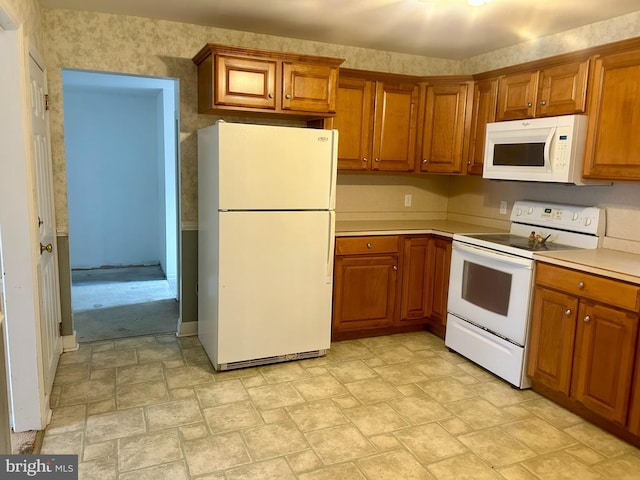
187, 329
69, 343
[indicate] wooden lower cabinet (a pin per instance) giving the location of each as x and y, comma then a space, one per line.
552, 338
584, 349
440, 276
604, 360
390, 284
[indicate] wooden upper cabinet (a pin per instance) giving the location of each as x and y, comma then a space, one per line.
613, 144
517, 96
354, 122
483, 112
244, 82
265, 82
394, 136
445, 120
309, 87
555, 90
562, 89
376, 117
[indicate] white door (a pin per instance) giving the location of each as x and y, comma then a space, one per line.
264, 167
48, 283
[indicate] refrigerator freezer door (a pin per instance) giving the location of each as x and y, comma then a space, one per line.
263, 167
275, 284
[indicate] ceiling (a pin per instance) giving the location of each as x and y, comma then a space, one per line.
435, 28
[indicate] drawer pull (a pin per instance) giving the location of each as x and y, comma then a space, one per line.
581, 285
567, 312
369, 245
587, 319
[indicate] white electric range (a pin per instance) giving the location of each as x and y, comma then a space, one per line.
491, 282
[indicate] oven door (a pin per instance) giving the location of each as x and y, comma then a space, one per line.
491, 290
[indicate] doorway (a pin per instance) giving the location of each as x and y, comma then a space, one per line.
122, 192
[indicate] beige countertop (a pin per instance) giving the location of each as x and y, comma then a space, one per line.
446, 228
601, 261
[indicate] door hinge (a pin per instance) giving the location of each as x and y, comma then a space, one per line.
46, 101
60, 329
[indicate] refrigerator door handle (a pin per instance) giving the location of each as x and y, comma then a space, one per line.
331, 248
334, 171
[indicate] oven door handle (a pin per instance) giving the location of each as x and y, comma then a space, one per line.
494, 255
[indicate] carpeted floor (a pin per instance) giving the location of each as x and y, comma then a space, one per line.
113, 303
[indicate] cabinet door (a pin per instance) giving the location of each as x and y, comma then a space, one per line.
417, 258
634, 411
552, 336
440, 275
604, 360
245, 82
309, 88
394, 136
484, 111
563, 89
364, 292
517, 96
354, 122
444, 128
613, 144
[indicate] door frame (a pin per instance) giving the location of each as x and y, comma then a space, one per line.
29, 410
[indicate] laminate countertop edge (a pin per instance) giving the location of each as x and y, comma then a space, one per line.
443, 228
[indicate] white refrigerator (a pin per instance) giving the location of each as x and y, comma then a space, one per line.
266, 226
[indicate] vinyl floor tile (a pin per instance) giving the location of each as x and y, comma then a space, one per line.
398, 407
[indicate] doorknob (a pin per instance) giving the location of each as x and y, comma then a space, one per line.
48, 248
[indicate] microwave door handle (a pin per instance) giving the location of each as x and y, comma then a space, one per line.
547, 150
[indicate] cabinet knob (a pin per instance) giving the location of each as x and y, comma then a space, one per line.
378, 160
581, 285
288, 96
567, 312
270, 95
468, 162
543, 102
365, 159
395, 267
529, 104
587, 319
368, 245
424, 160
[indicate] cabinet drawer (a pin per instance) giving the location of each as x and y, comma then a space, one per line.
605, 290
366, 245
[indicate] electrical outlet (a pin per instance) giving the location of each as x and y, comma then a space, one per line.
503, 207
407, 200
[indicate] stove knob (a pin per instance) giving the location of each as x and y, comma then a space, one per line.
575, 216
529, 210
518, 212
587, 222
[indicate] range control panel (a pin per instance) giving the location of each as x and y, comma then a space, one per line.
573, 218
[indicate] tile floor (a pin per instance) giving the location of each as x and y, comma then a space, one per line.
395, 407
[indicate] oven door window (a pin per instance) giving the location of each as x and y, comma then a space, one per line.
486, 287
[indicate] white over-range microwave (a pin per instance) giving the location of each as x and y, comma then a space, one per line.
547, 149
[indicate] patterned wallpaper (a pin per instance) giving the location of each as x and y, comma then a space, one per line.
141, 46
29, 13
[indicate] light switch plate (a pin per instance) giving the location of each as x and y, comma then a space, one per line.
503, 207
